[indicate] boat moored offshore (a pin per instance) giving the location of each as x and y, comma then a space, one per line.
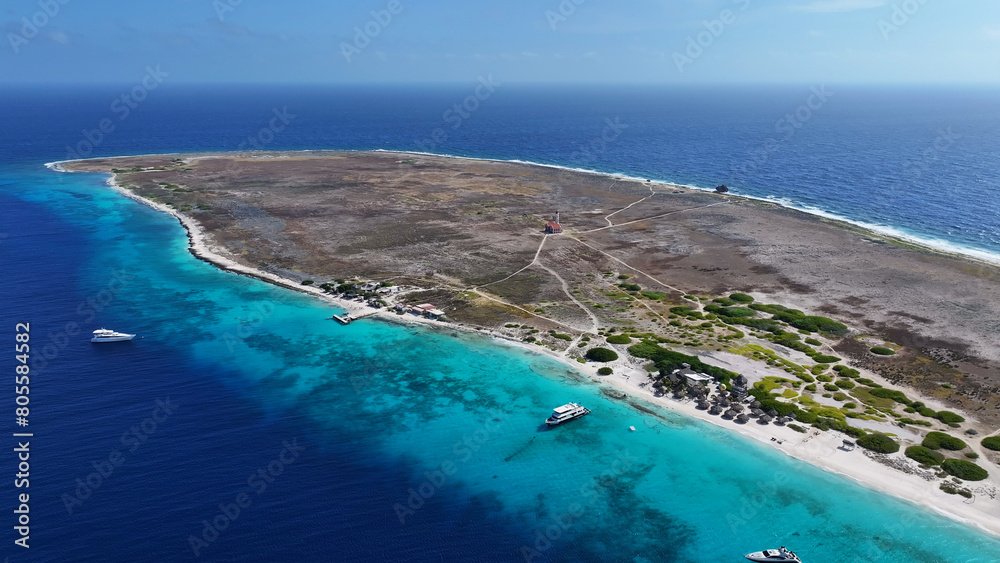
780, 555
105, 335
566, 413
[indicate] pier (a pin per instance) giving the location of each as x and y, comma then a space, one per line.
348, 319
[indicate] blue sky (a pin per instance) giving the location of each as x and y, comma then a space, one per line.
617, 41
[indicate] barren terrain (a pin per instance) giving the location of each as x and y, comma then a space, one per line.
470, 233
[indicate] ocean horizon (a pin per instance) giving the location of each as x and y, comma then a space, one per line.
385, 442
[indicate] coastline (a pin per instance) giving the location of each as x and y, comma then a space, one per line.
884, 232
817, 449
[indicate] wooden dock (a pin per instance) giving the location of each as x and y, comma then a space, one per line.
346, 320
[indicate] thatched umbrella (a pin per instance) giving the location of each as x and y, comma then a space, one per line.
772, 413
716, 409
780, 421
729, 414
755, 404
724, 402
756, 412
703, 405
739, 407
742, 419
764, 419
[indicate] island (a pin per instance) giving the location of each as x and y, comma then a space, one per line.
862, 353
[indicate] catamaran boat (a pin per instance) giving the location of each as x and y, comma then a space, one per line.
780, 555
566, 413
105, 335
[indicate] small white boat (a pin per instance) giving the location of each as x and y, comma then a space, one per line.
105, 335
779, 555
566, 413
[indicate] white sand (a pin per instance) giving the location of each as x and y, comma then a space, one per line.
817, 448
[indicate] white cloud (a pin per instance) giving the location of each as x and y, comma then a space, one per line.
830, 6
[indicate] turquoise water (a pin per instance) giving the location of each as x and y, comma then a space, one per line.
456, 418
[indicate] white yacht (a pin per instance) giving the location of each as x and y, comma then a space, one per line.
780, 555
566, 413
105, 335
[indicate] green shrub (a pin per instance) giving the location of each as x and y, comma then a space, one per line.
883, 351
797, 428
846, 371
924, 455
741, 298
845, 384
806, 417
605, 371
831, 387
630, 286
879, 443
897, 396
850, 405
813, 341
991, 443
820, 368
868, 382
668, 360
601, 355
623, 276
307, 282
653, 295
840, 397
824, 378
965, 470
619, 339
972, 455
949, 417
939, 440
824, 359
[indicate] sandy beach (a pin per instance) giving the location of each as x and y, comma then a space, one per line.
821, 449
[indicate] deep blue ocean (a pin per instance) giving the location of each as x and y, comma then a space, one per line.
242, 418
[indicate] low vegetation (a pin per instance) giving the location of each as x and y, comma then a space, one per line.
992, 443
883, 351
601, 355
940, 440
619, 339
605, 371
965, 470
924, 456
879, 443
